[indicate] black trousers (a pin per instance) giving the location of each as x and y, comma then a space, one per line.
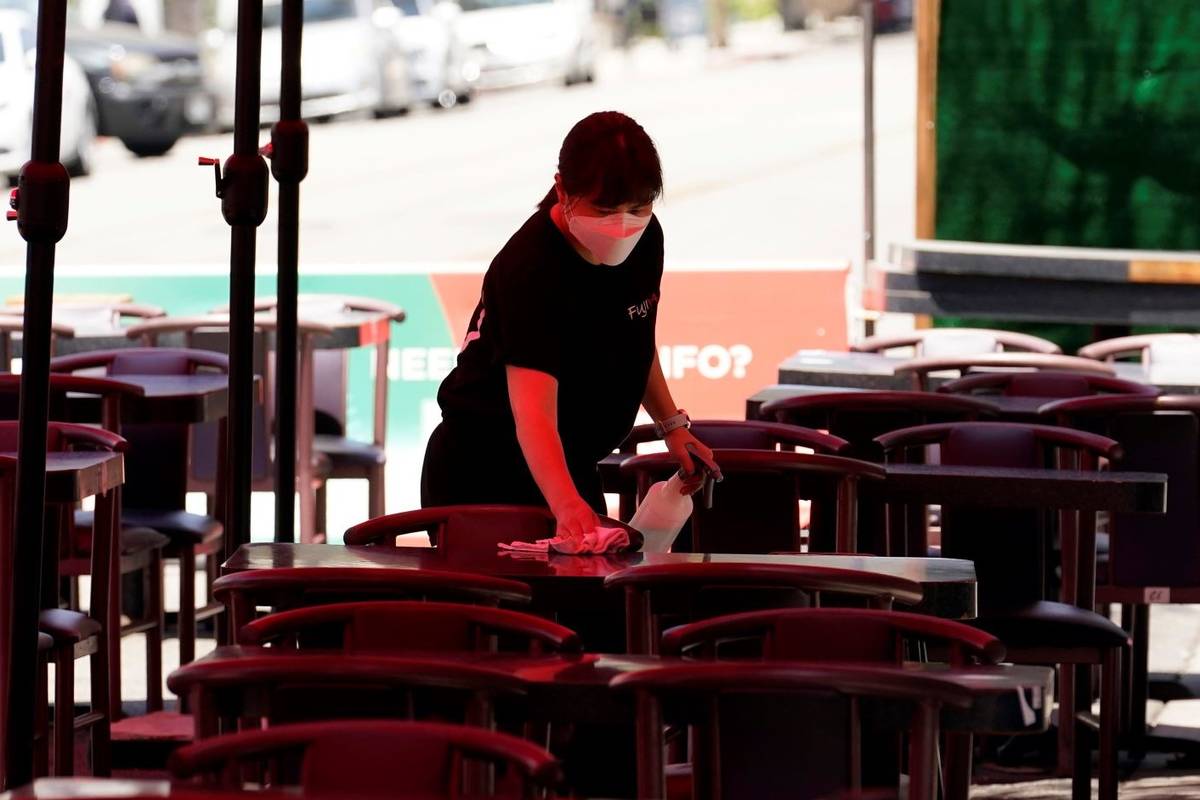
473, 464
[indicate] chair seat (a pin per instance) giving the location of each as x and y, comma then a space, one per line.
346, 453
45, 642
1050, 624
176, 525
135, 541
67, 626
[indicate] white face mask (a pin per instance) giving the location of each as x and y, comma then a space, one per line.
611, 238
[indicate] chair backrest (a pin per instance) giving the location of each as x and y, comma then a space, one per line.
1157, 434
1044, 383
1007, 545
858, 417
831, 634
360, 758
660, 595
920, 368
286, 588
467, 526
407, 626
746, 435
956, 342
266, 689
746, 717
756, 509
1136, 346
64, 437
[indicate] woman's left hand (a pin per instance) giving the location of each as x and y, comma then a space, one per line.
681, 444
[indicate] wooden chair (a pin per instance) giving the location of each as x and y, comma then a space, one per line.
140, 550
210, 332
371, 759
727, 434
1124, 347
758, 760
11, 324
473, 526
756, 507
269, 689
77, 635
157, 476
700, 590
1150, 558
920, 368
1009, 547
287, 588
815, 635
858, 417
407, 626
956, 341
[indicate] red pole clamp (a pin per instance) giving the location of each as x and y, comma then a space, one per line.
40, 201
242, 187
289, 150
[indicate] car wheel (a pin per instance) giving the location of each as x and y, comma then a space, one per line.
148, 148
81, 161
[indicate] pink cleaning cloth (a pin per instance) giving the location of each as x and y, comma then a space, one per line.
601, 540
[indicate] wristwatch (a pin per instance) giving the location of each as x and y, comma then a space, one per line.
674, 422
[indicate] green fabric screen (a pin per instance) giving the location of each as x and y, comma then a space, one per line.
1070, 122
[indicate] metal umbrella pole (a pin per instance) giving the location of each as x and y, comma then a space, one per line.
40, 209
243, 192
868, 27
289, 164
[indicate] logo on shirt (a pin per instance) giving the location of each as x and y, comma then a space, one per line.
642, 309
476, 331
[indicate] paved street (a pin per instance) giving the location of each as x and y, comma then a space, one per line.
762, 158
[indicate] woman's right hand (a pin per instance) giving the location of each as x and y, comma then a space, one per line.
575, 518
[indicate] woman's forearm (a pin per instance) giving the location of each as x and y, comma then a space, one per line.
657, 399
534, 399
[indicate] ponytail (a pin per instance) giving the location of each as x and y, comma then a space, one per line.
549, 200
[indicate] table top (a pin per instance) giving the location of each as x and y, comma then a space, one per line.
948, 584
1004, 487
569, 682
81, 787
839, 369
71, 477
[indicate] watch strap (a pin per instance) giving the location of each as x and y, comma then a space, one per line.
674, 422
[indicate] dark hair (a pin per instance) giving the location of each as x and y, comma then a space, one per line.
609, 159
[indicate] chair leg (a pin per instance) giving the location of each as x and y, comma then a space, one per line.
154, 637
41, 721
1110, 722
1081, 777
1067, 675
187, 604
958, 753
101, 734
64, 711
377, 492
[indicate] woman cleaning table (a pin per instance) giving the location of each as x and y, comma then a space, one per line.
560, 351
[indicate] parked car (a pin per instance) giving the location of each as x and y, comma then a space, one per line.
889, 14
530, 41
16, 101
350, 62
442, 69
148, 91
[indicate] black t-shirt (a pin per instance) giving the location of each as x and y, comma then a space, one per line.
590, 326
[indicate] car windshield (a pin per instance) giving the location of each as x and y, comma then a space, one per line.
481, 5
314, 11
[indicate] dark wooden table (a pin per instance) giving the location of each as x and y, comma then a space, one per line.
562, 582
575, 688
126, 789
833, 370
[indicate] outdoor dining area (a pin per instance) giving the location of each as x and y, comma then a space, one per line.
916, 551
